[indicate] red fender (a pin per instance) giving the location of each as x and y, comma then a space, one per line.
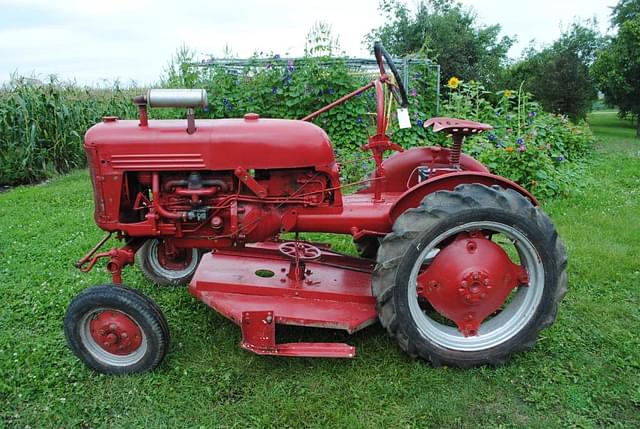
448, 182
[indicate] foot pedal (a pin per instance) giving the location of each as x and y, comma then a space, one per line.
259, 336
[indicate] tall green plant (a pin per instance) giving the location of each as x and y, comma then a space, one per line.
42, 125
536, 149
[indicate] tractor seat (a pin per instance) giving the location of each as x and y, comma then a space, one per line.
456, 126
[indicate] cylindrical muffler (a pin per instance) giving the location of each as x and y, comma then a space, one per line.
189, 98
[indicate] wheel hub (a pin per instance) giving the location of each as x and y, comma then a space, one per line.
115, 332
469, 280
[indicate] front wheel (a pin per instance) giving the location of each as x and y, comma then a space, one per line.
116, 330
470, 277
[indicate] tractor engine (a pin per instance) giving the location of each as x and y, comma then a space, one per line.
220, 183
221, 207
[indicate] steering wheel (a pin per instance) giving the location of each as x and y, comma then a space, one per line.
398, 90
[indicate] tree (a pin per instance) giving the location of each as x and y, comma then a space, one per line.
558, 75
617, 68
447, 33
625, 10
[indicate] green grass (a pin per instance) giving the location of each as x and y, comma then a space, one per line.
584, 371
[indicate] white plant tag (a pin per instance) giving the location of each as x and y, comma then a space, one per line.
403, 118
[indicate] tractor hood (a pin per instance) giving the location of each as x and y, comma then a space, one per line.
218, 144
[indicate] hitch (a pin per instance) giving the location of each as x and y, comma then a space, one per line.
118, 258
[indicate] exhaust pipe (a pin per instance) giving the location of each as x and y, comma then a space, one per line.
186, 98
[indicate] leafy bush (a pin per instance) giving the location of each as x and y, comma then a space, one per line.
286, 88
42, 124
539, 150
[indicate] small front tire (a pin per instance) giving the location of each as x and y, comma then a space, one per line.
116, 330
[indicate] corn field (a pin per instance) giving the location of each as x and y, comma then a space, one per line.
42, 125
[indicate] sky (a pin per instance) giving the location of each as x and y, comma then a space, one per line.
95, 43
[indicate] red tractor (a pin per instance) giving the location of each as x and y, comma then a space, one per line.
460, 266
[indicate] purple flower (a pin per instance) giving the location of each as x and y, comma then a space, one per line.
520, 141
225, 101
331, 91
419, 123
532, 114
274, 90
359, 120
492, 137
560, 158
414, 93
290, 65
522, 147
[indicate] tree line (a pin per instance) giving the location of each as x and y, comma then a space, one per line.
564, 76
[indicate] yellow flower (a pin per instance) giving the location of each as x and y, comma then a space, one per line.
508, 93
453, 82
508, 149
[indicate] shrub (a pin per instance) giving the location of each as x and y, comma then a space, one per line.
539, 150
286, 88
42, 124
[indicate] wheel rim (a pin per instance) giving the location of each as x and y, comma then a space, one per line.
112, 337
518, 311
171, 269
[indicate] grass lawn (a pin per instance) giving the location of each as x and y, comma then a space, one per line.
584, 371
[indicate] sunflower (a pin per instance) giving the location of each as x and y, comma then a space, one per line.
453, 82
508, 93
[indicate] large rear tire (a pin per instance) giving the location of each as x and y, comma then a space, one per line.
501, 216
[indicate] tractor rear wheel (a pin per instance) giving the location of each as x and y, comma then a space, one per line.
116, 330
470, 277
164, 268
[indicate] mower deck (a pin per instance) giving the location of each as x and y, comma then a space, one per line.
258, 287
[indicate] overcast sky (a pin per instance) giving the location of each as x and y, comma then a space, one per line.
90, 41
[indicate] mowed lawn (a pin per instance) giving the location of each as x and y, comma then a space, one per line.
584, 371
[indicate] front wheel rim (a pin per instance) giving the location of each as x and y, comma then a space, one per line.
100, 352
509, 322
